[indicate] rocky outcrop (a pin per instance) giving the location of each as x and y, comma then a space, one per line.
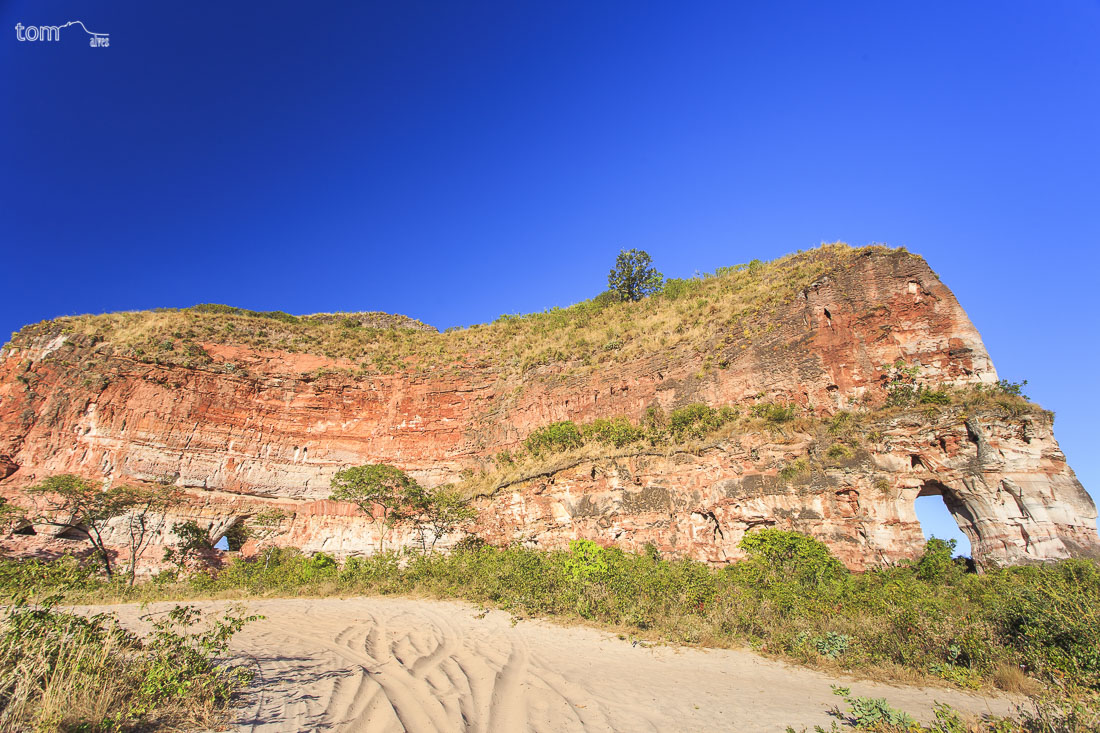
248, 426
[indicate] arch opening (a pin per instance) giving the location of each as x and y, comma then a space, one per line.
229, 534
942, 514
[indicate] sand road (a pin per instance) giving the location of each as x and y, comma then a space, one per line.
395, 664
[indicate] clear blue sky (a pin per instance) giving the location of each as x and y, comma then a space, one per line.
455, 161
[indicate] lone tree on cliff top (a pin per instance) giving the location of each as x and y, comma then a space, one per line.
634, 276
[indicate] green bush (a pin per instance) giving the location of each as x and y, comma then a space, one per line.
617, 433
936, 561
554, 438
697, 420
63, 671
774, 413
1012, 389
790, 556
677, 288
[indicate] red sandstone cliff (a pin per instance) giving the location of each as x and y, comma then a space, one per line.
243, 424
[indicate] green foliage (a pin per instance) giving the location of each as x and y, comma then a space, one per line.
906, 395
390, 497
867, 713
191, 542
604, 299
774, 413
794, 469
232, 310
557, 437
633, 276
32, 576
82, 506
961, 676
65, 671
791, 556
690, 422
586, 560
617, 432
936, 561
438, 512
698, 420
832, 644
1012, 389
382, 492
677, 288
789, 596
1052, 615
11, 517
928, 396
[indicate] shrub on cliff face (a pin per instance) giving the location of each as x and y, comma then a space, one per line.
618, 432
774, 413
698, 420
557, 437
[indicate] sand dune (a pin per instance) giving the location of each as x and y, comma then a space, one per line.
393, 664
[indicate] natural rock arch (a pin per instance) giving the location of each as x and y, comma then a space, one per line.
963, 514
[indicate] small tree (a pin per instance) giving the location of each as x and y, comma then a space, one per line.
439, 512
633, 276
191, 542
384, 493
146, 517
79, 505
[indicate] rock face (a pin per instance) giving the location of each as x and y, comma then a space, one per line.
252, 427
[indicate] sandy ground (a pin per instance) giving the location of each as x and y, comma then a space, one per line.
394, 664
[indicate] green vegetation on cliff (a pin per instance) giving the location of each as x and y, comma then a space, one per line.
835, 440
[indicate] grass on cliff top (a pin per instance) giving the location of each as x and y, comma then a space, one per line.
702, 313
1020, 629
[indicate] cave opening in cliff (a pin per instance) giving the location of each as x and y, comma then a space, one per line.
942, 514
73, 533
231, 536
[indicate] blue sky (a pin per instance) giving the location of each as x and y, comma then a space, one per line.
456, 161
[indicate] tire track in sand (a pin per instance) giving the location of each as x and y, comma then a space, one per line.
385, 665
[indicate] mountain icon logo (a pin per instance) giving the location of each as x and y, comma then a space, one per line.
53, 33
